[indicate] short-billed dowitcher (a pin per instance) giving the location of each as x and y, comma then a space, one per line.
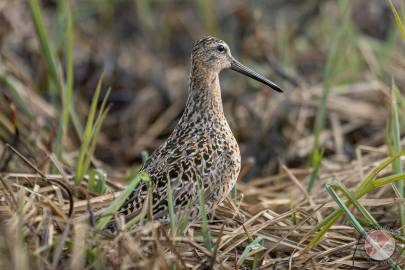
201, 146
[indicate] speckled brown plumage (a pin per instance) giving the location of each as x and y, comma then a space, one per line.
201, 145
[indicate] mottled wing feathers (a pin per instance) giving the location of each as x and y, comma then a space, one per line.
182, 164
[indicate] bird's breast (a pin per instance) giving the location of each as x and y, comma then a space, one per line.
225, 140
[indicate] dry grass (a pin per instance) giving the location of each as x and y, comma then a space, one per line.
276, 209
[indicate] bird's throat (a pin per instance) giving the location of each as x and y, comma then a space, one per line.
204, 95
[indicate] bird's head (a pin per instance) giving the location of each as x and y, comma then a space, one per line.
213, 55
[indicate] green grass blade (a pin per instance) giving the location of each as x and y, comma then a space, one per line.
13, 85
172, 215
145, 156
316, 158
94, 134
365, 186
137, 219
87, 136
370, 219
234, 193
359, 228
395, 138
97, 182
92, 182
328, 75
388, 180
141, 216
145, 14
76, 122
183, 220
57, 87
205, 8
204, 218
113, 208
44, 41
398, 19
293, 213
68, 107
68, 94
346, 210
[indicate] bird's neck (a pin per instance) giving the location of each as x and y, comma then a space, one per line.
204, 96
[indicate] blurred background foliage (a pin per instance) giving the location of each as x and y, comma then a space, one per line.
142, 48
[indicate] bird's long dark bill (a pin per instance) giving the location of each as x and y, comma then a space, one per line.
235, 65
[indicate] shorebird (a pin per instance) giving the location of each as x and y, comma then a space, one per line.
201, 145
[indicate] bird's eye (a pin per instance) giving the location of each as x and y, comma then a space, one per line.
221, 48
